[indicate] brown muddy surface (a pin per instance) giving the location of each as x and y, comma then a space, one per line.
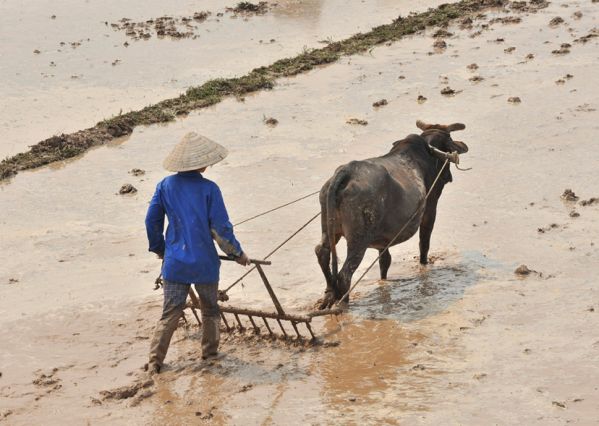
64, 67
464, 340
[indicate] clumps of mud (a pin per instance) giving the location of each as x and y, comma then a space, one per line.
126, 392
590, 202
472, 67
563, 79
137, 172
127, 188
439, 45
509, 49
569, 195
530, 7
66, 146
448, 91
380, 103
357, 121
506, 20
270, 121
442, 33
591, 35
564, 49
476, 79
555, 22
247, 8
421, 99
164, 26
548, 228
514, 100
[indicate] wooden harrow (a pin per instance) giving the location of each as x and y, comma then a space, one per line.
278, 317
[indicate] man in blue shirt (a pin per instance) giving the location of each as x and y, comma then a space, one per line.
196, 216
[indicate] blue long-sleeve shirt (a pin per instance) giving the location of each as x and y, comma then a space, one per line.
196, 214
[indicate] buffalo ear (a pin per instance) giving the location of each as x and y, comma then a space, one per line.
422, 125
456, 126
459, 146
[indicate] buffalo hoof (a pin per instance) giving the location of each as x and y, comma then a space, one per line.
423, 262
328, 300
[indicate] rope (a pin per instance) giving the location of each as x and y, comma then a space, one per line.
276, 208
396, 235
273, 251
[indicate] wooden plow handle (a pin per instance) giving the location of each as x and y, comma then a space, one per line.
253, 261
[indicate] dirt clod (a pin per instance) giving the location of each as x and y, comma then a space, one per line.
556, 21
514, 100
125, 392
509, 49
589, 202
448, 91
137, 172
127, 188
270, 121
421, 99
569, 195
476, 79
472, 67
574, 213
357, 121
380, 103
563, 50
440, 44
523, 270
559, 404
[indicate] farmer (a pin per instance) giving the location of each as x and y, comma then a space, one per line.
196, 215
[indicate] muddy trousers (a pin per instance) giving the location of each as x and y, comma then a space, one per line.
175, 295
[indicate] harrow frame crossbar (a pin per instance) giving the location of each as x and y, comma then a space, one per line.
279, 316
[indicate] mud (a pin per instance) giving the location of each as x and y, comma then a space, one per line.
460, 339
212, 92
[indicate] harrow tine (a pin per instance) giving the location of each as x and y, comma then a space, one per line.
299, 336
267, 326
241, 327
256, 328
310, 330
195, 314
225, 321
282, 329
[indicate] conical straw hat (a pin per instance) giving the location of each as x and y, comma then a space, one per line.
194, 152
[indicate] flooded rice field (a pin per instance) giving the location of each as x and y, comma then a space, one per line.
464, 340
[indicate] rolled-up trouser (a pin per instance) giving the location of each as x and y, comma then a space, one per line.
175, 295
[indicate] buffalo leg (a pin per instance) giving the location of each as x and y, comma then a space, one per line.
323, 254
426, 229
384, 263
355, 254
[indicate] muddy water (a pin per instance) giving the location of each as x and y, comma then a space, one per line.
68, 87
461, 339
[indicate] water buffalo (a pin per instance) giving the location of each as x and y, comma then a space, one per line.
368, 202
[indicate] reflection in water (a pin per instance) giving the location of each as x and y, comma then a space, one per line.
428, 292
379, 357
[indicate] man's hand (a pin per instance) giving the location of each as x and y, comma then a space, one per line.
243, 259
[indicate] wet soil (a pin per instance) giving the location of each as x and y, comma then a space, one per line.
66, 146
460, 339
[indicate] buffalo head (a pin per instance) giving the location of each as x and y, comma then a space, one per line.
438, 135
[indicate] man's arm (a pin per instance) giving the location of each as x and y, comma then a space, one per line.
220, 226
155, 224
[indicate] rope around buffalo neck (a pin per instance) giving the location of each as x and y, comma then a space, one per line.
346, 295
